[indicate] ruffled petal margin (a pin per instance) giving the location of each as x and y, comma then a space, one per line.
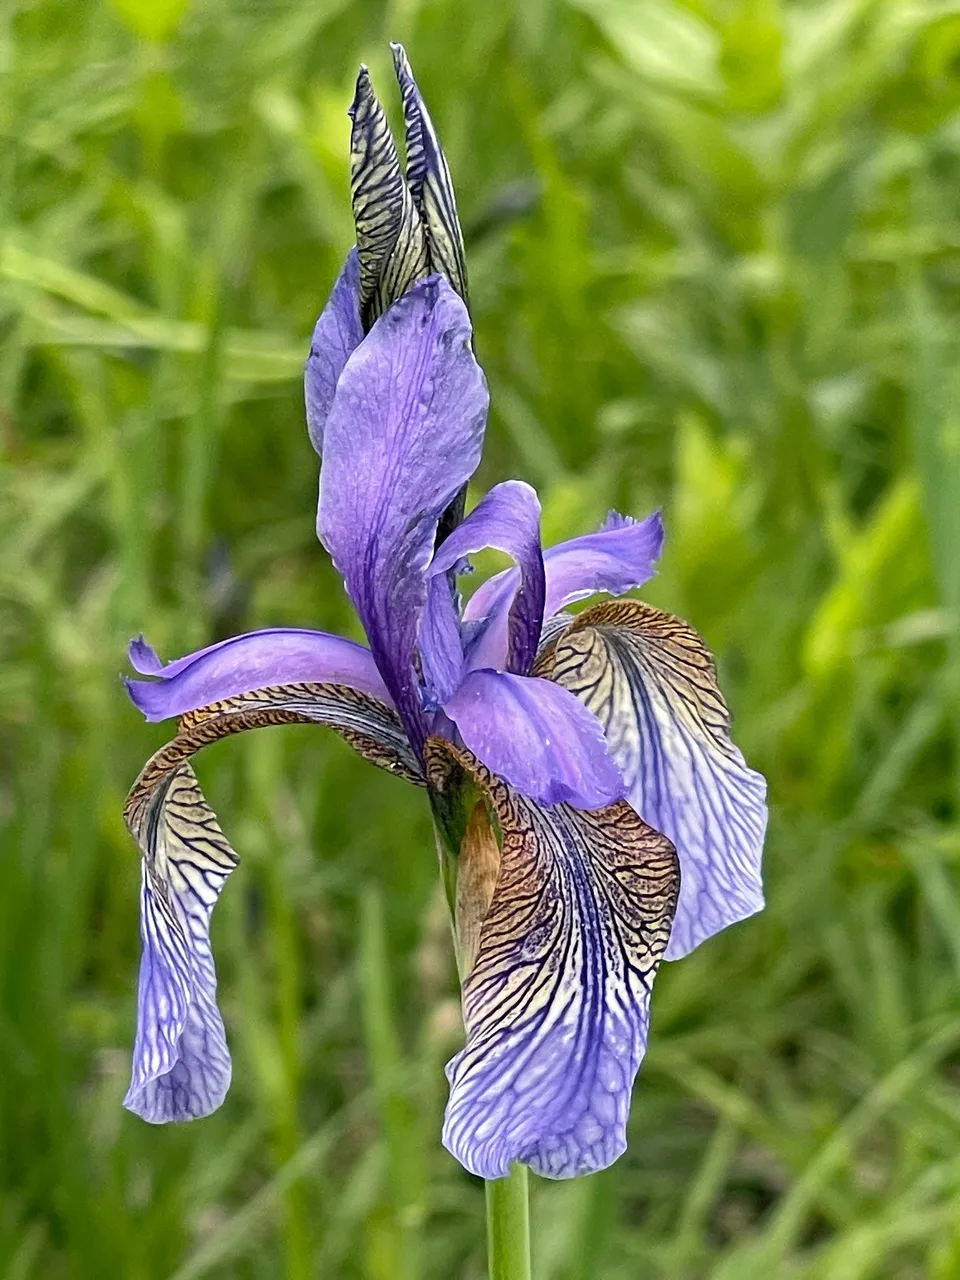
181, 1064
557, 1003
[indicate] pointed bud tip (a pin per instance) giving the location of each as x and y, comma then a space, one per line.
363, 90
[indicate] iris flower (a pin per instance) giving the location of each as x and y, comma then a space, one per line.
593, 815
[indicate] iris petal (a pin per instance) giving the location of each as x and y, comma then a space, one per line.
652, 682
508, 518
181, 1066
280, 655
537, 736
336, 335
143, 657
616, 558
402, 438
556, 1005
441, 644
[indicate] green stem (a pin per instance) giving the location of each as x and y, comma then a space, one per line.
508, 1226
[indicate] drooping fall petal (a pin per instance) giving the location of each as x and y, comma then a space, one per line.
557, 1001
181, 1064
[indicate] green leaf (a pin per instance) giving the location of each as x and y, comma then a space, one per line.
151, 19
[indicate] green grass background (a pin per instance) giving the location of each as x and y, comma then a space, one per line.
714, 249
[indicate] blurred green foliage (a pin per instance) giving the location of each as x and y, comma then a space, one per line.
715, 264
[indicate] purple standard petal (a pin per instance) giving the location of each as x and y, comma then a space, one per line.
508, 518
440, 644
402, 438
337, 334
557, 1002
537, 736
181, 1064
281, 655
616, 558
652, 683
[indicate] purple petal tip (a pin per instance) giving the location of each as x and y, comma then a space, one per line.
138, 693
143, 657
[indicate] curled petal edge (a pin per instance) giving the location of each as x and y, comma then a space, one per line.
181, 1063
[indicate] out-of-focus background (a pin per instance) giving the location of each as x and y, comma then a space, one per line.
714, 250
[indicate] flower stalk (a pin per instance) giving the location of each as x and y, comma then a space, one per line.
469, 849
508, 1226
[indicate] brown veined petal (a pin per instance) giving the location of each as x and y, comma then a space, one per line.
428, 178
551, 631
181, 1066
556, 1003
368, 725
391, 243
652, 682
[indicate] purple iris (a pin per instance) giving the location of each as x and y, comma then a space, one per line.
596, 813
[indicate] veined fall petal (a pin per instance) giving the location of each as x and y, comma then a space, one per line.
181, 1064
557, 1001
652, 683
